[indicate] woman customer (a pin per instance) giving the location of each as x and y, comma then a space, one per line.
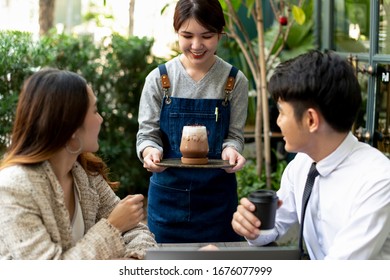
56, 201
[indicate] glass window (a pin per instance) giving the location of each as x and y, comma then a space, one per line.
360, 124
384, 27
383, 105
352, 25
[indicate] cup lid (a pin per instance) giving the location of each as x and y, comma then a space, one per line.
263, 196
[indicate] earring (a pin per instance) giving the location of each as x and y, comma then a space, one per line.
73, 152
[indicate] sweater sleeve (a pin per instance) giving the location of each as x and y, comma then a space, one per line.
22, 232
138, 240
135, 241
238, 114
25, 232
34, 224
149, 134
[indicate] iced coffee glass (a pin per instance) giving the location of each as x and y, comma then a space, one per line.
194, 145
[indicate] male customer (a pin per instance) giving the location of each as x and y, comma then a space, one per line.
348, 212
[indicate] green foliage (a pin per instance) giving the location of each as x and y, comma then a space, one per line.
299, 15
115, 68
98, 15
235, 3
74, 53
248, 180
120, 90
16, 63
300, 38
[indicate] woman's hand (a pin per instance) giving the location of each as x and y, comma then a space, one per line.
234, 157
152, 156
128, 213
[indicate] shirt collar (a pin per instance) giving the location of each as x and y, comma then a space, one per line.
332, 161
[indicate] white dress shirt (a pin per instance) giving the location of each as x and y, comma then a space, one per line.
348, 213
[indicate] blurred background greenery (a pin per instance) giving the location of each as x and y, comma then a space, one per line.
116, 69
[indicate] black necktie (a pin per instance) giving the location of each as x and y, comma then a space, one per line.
311, 176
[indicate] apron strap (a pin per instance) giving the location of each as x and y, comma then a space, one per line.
231, 79
230, 84
166, 84
164, 76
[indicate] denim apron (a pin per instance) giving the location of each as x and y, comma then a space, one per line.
192, 204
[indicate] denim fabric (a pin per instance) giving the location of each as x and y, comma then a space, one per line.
192, 204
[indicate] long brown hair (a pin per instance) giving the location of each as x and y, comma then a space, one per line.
52, 105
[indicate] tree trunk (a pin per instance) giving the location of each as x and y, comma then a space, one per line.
257, 62
131, 17
46, 16
259, 130
263, 96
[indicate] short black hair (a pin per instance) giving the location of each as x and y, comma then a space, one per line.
322, 80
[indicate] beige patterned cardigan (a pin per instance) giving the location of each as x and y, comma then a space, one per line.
35, 224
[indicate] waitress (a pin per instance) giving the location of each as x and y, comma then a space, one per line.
197, 87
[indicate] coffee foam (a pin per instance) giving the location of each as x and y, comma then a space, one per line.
194, 133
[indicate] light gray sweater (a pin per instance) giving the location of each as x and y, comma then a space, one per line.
35, 224
211, 86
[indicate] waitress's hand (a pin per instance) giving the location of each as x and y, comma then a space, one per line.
234, 157
152, 156
127, 213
